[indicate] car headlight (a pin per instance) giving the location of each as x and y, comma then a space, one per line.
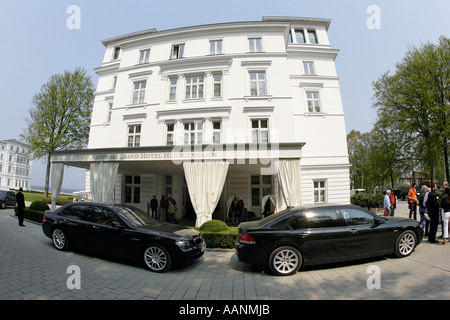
184, 244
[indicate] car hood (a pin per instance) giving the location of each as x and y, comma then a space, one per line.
170, 229
395, 220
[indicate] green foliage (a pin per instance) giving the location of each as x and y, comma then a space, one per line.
32, 215
39, 206
214, 226
218, 235
366, 200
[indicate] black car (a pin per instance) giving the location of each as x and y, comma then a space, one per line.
300, 236
7, 199
123, 232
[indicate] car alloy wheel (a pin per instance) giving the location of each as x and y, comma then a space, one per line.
285, 261
156, 258
405, 244
59, 239
3, 205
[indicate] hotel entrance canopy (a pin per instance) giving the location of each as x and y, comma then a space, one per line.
205, 168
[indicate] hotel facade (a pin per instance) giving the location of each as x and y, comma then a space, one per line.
15, 165
210, 112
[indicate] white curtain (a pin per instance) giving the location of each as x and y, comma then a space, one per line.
57, 178
289, 178
264, 200
103, 177
205, 181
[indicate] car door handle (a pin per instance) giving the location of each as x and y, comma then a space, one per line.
303, 234
353, 231
96, 227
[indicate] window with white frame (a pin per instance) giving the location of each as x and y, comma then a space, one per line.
300, 35
216, 132
177, 51
217, 83
313, 100
193, 133
215, 47
308, 67
312, 36
144, 56
133, 189
170, 129
320, 191
257, 83
261, 187
260, 130
194, 87
172, 89
255, 44
134, 135
139, 92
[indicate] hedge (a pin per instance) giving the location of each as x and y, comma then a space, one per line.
32, 215
366, 200
217, 234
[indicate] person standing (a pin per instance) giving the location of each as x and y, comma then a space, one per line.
444, 185
20, 199
412, 198
154, 207
445, 205
393, 203
171, 212
163, 206
422, 209
433, 213
387, 203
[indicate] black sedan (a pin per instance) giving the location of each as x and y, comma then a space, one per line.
298, 237
123, 232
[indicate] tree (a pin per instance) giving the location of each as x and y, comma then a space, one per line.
416, 101
60, 116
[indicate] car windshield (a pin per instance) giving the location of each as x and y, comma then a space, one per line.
135, 216
2, 193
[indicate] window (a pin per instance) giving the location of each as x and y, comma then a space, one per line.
325, 218
172, 89
134, 135
144, 56
216, 132
258, 83
79, 211
312, 36
308, 67
194, 87
116, 53
300, 36
104, 216
319, 192
260, 131
170, 132
313, 101
215, 47
299, 222
109, 112
193, 133
177, 51
355, 217
261, 187
168, 185
255, 44
132, 189
217, 81
139, 92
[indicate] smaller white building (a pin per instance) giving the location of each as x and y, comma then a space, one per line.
15, 164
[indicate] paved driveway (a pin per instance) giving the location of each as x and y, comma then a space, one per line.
30, 268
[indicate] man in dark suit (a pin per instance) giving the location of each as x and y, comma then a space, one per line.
154, 207
433, 212
20, 199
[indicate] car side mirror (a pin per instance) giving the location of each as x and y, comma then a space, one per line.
117, 224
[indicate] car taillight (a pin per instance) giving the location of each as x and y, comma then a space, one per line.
246, 239
44, 218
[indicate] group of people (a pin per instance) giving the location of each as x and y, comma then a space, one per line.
167, 208
431, 209
238, 213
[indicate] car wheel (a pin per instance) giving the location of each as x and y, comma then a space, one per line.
406, 243
285, 261
156, 258
3, 205
59, 239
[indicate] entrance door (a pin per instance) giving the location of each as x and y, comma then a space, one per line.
190, 212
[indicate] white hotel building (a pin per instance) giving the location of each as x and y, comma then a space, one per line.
15, 165
259, 101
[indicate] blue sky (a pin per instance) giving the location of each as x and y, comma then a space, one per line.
36, 44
